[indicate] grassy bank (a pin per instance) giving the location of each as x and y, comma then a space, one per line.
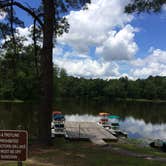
103, 98
11, 101
65, 153
145, 100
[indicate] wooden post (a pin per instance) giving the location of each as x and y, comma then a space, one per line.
20, 163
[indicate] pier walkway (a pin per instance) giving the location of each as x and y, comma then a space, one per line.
88, 131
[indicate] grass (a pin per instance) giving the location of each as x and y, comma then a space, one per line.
11, 101
65, 153
145, 100
140, 149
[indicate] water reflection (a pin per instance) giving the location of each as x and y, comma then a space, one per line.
140, 129
139, 119
25, 115
148, 111
134, 127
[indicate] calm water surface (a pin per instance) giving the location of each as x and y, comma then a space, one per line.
139, 119
136, 128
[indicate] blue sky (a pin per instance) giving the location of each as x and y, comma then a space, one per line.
152, 31
23, 15
104, 42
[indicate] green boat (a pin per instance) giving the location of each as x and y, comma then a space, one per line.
114, 127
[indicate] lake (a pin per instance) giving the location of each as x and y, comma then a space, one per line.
139, 119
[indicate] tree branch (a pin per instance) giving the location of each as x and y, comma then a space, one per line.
29, 11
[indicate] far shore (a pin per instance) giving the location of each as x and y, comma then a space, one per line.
92, 99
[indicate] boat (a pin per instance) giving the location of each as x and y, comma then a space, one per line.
159, 144
111, 124
115, 126
103, 119
57, 124
104, 114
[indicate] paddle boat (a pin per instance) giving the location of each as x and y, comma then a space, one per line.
114, 121
159, 144
57, 124
103, 119
111, 124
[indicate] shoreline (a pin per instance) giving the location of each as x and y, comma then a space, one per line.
81, 153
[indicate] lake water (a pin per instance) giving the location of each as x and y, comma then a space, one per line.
140, 119
136, 128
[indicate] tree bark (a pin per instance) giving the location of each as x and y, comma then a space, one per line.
35, 48
47, 73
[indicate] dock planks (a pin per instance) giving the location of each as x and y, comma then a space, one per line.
88, 130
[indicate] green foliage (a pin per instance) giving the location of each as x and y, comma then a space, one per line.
18, 79
150, 88
23, 82
144, 6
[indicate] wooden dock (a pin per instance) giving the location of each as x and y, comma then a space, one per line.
89, 131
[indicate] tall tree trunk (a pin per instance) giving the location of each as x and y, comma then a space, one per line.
35, 48
47, 73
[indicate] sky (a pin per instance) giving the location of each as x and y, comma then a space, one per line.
104, 42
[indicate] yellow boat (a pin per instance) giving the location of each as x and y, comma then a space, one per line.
104, 114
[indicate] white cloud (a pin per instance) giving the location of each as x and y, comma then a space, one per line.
88, 68
153, 64
96, 27
22, 32
2, 15
80, 66
27, 35
119, 45
105, 27
102, 26
143, 130
164, 7
25, 32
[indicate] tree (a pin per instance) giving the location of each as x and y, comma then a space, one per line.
49, 18
145, 6
139, 6
23, 84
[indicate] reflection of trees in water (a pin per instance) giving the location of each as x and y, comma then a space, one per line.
148, 111
19, 116
5, 115
25, 114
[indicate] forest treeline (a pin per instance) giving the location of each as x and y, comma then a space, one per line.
20, 79
122, 88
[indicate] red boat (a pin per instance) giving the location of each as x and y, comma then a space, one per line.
104, 118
